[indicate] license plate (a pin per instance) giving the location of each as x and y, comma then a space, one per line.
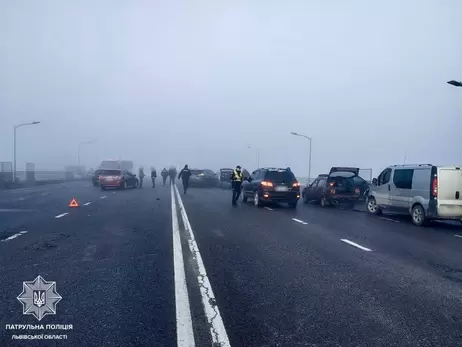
281, 189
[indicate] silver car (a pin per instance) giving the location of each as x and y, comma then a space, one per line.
424, 191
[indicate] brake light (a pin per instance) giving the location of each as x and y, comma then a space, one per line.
435, 187
331, 184
296, 185
332, 190
266, 184
357, 191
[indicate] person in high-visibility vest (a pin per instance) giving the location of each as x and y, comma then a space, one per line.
236, 180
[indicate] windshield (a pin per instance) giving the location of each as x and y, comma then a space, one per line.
280, 176
110, 172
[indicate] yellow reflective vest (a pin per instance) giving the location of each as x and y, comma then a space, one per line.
237, 176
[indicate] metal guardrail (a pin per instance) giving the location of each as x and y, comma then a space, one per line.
25, 178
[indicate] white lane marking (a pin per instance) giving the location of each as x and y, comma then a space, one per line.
14, 236
356, 245
217, 329
458, 235
389, 219
184, 329
113, 192
46, 193
21, 198
103, 197
62, 215
268, 208
299, 221
87, 203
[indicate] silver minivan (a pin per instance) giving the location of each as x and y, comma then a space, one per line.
424, 191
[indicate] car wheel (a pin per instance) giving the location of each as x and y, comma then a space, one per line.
372, 207
256, 200
293, 204
418, 215
244, 197
324, 202
103, 188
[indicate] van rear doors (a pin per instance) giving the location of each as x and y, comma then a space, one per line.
447, 188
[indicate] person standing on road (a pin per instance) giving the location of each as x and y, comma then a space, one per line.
236, 180
164, 175
153, 176
172, 174
184, 175
141, 175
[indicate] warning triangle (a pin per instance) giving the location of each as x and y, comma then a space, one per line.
74, 203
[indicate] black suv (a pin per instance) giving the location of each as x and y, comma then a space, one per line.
271, 185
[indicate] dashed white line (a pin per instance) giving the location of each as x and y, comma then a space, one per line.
62, 215
299, 221
389, 219
356, 245
103, 197
46, 193
21, 198
458, 236
14, 236
217, 328
268, 208
184, 329
87, 203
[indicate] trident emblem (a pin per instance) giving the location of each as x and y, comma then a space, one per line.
39, 298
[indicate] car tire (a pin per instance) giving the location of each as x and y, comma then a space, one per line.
371, 206
103, 188
293, 204
418, 215
256, 200
324, 202
244, 197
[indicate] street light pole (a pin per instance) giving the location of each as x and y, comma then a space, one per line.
257, 155
14, 146
311, 145
78, 149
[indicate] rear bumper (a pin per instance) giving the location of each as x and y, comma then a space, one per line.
279, 196
111, 184
342, 198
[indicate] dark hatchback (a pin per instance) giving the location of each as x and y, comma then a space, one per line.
224, 177
341, 185
203, 178
271, 185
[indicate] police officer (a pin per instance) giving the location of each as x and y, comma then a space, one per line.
236, 180
185, 173
141, 176
153, 176
164, 174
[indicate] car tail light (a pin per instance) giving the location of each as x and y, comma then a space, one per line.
266, 184
296, 185
331, 184
357, 191
265, 195
435, 187
332, 190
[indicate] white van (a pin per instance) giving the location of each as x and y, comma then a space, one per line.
424, 191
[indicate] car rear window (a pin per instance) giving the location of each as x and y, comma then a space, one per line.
344, 174
110, 172
280, 176
196, 172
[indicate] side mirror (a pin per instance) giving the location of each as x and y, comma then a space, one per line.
374, 181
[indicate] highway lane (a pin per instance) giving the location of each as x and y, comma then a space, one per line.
111, 261
280, 282
280, 277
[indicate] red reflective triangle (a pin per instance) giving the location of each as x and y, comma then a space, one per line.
74, 203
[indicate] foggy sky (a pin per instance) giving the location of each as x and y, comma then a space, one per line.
198, 82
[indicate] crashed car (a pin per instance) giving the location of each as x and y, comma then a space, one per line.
341, 186
224, 177
203, 178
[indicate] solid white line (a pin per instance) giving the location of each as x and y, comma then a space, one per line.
269, 209
14, 236
103, 197
23, 232
87, 203
61, 215
458, 235
356, 245
299, 221
391, 220
184, 329
217, 329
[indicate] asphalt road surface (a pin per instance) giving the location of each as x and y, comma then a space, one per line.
154, 267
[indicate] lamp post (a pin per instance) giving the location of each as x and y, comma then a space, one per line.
14, 146
311, 141
455, 83
78, 149
257, 156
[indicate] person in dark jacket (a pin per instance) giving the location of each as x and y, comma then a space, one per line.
172, 174
184, 175
164, 174
236, 180
153, 177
